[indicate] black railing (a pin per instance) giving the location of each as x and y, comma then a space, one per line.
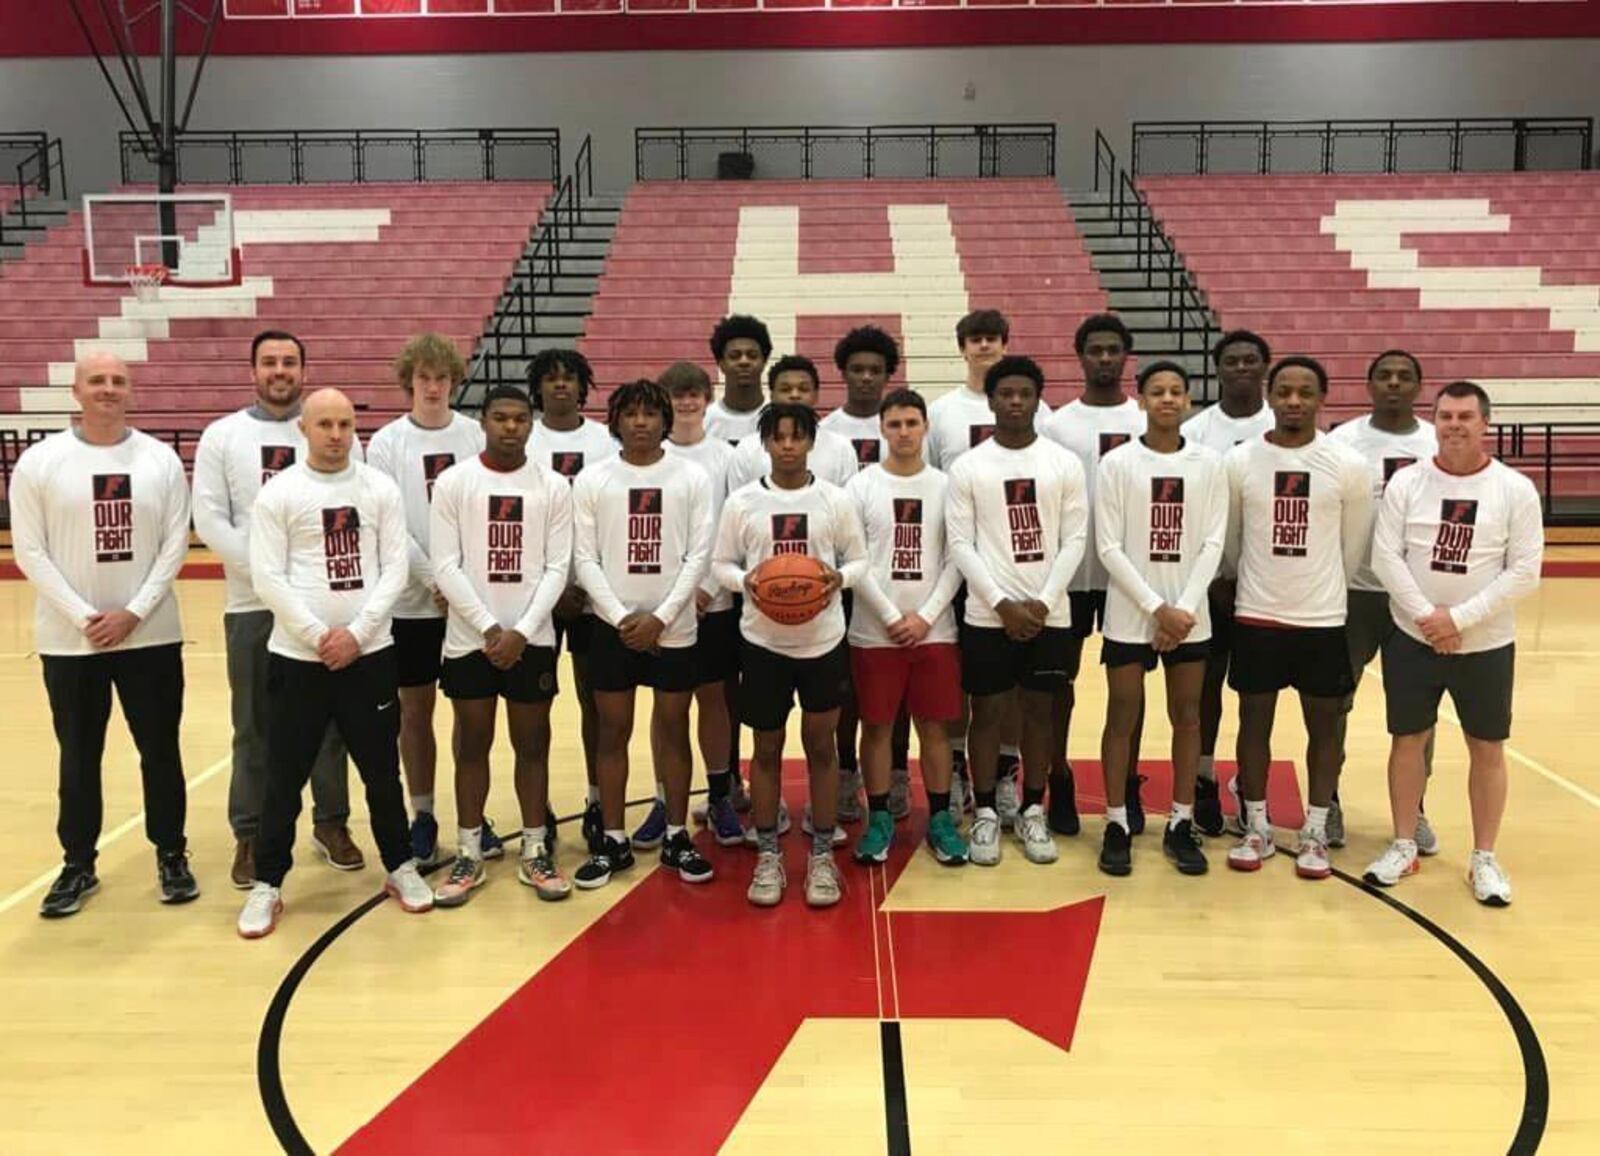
845, 153
1363, 146
1187, 316
353, 156
40, 167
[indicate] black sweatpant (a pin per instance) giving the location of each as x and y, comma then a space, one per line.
149, 685
362, 701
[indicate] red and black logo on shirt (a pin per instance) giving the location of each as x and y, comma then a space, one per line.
274, 460
791, 533
1392, 466
978, 434
341, 547
505, 538
1458, 522
1166, 519
1110, 441
1291, 513
1022, 515
905, 561
869, 451
644, 530
567, 463
432, 466
113, 518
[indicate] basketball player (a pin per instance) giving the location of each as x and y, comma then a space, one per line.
1161, 514
328, 557
741, 346
414, 450
716, 645
642, 539
1240, 413
791, 511
1388, 439
793, 380
1460, 540
1104, 418
1300, 511
500, 539
559, 381
100, 525
902, 635
1016, 520
237, 455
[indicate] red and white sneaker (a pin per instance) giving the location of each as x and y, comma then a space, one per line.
1394, 864
408, 886
1311, 861
1253, 850
261, 910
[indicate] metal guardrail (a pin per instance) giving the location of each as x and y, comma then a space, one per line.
845, 152
352, 156
41, 171
1395, 145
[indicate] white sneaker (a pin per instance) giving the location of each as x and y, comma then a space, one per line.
1397, 861
261, 910
1007, 803
1427, 840
899, 792
408, 886
1251, 851
1034, 835
1234, 824
983, 842
768, 882
1491, 886
806, 825
1311, 861
960, 797
824, 888
850, 809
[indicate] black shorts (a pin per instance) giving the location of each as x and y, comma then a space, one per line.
1088, 612
533, 679
614, 667
1114, 654
716, 647
419, 649
992, 663
1313, 660
578, 633
769, 682
1415, 678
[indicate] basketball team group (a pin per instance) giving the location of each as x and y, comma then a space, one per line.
897, 565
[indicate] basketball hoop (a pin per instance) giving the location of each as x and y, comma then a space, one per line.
146, 281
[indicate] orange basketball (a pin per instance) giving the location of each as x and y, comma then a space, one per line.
790, 588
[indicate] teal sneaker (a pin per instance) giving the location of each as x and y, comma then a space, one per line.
945, 840
875, 840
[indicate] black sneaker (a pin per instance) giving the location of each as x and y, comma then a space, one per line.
177, 881
615, 855
1182, 846
66, 895
1135, 806
1207, 807
1063, 814
680, 854
1116, 852
594, 829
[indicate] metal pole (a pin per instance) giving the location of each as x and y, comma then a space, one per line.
168, 176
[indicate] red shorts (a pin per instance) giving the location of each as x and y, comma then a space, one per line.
926, 678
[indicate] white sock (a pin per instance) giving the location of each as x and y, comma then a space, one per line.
594, 795
422, 804
532, 841
661, 792
1317, 822
619, 835
1117, 815
1208, 769
1011, 749
469, 842
1180, 812
673, 832
1255, 815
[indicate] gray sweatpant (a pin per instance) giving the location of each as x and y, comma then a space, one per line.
1368, 625
246, 640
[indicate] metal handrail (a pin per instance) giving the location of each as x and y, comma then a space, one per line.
46, 156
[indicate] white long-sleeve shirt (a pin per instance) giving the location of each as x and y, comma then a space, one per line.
1017, 523
865, 435
237, 455
415, 457
570, 451
1214, 429
100, 528
1160, 520
958, 421
1473, 543
909, 567
1385, 453
1298, 523
730, 425
501, 546
713, 455
1090, 432
642, 541
762, 520
327, 550
832, 458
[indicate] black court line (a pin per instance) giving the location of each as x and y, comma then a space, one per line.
1535, 1073
896, 1120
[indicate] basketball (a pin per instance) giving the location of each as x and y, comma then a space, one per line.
791, 588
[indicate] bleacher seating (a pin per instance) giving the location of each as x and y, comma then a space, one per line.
686, 254
436, 256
